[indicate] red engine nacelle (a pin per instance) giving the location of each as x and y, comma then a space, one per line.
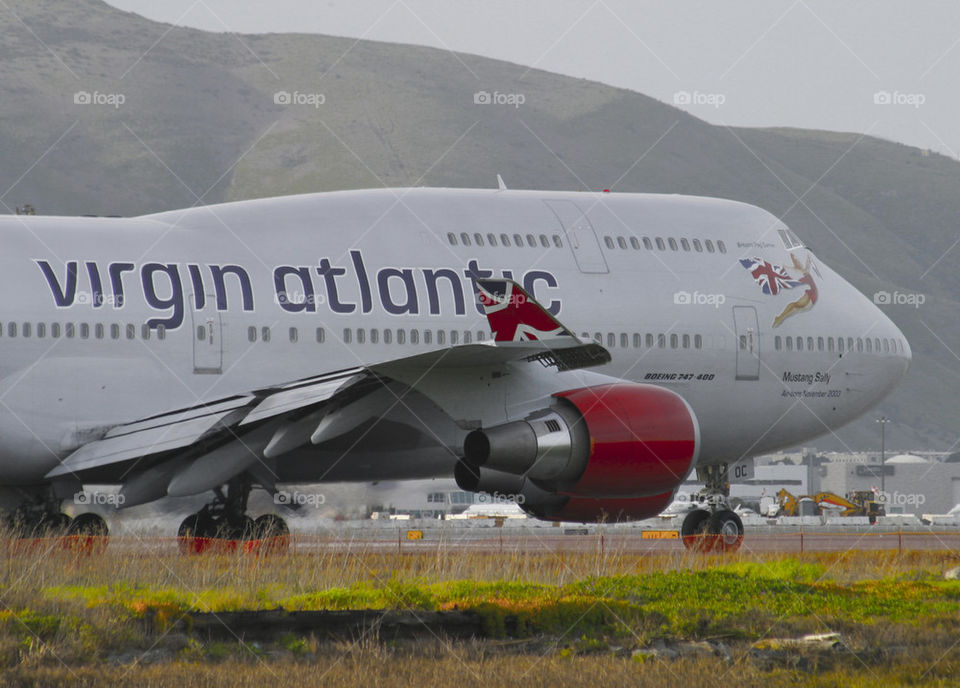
621, 440
643, 439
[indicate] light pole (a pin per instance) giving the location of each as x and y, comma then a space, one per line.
883, 420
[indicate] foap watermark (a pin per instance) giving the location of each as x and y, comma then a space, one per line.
296, 498
686, 298
314, 100
500, 498
899, 298
714, 100
902, 498
114, 100
298, 299
897, 98
87, 498
498, 98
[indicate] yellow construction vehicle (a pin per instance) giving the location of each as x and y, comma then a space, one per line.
860, 503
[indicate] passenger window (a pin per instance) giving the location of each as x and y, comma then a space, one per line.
401, 336
647, 244
869, 346
388, 336
294, 335
649, 341
41, 330
321, 335
859, 344
660, 244
114, 331
876, 344
673, 243
697, 341
265, 333
608, 241
722, 247
454, 337
840, 345
55, 330
611, 339
697, 246
686, 341
518, 241
557, 241
12, 329
414, 336
464, 239
598, 338
819, 343
661, 341
799, 343
98, 330
624, 340
26, 329
161, 332
71, 331
504, 240
85, 330
743, 342
635, 243
201, 333
777, 343
709, 245
492, 239
347, 335
452, 238
637, 340
849, 343
544, 241
809, 343
531, 241
131, 331
374, 336
467, 336
684, 244
830, 344
251, 333
478, 239
674, 341
441, 338
622, 243
361, 335
428, 336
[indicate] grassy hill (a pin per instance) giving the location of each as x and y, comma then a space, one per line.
200, 122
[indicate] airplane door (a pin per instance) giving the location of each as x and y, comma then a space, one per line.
581, 237
207, 336
748, 342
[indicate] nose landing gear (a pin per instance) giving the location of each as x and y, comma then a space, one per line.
715, 528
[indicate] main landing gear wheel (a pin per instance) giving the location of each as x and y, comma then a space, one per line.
727, 530
87, 533
695, 531
224, 526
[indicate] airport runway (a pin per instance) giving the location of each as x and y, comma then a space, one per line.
415, 538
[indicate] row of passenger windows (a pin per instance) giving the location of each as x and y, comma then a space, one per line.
661, 245
839, 345
518, 240
648, 341
360, 335
82, 330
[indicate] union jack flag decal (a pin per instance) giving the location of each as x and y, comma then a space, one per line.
513, 314
771, 278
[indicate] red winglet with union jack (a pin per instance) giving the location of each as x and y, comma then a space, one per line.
514, 315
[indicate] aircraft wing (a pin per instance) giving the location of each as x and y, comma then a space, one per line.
191, 450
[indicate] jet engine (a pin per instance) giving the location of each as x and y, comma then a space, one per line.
621, 448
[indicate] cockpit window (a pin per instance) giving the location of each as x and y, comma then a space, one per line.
789, 239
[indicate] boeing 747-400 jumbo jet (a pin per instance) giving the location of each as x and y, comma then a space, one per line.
582, 352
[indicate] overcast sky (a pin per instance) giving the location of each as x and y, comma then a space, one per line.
887, 68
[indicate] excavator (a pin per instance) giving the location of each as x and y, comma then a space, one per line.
860, 503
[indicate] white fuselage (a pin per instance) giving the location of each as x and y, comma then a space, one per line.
105, 321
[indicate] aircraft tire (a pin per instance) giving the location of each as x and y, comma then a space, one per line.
727, 529
694, 531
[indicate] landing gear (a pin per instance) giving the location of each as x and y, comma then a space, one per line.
715, 528
223, 525
39, 519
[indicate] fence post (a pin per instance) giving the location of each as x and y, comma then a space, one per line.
602, 545
900, 540
501, 540
801, 539
399, 542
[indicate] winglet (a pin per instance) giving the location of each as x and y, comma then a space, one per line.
514, 315
500, 185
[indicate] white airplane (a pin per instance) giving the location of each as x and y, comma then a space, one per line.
582, 352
